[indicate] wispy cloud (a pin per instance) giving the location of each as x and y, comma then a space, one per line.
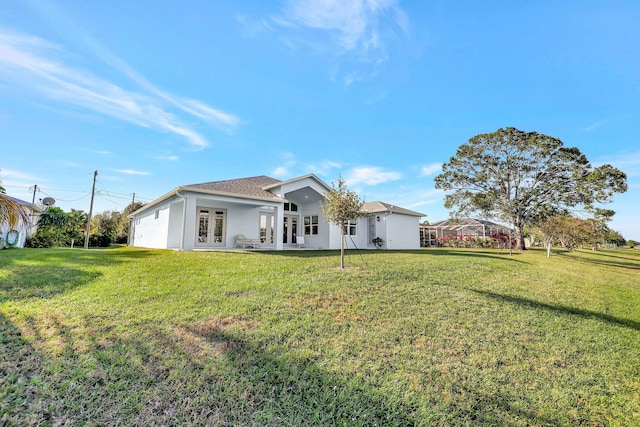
430, 169
361, 29
132, 172
34, 65
370, 175
16, 175
355, 24
595, 125
171, 158
324, 167
18, 183
284, 170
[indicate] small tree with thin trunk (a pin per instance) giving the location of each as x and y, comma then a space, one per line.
340, 206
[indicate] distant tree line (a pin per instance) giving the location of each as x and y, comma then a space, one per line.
59, 228
572, 232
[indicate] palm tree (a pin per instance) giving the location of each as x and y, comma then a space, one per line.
12, 212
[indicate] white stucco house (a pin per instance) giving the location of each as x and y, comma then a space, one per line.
15, 237
263, 213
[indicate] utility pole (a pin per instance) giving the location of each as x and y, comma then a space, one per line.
134, 198
93, 192
35, 188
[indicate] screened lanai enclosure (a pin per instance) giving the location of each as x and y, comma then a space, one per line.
432, 234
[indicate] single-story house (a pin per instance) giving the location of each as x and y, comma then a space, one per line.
266, 213
463, 227
15, 237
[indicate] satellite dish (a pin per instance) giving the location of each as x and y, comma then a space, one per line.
48, 201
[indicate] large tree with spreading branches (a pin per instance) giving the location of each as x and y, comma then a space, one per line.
520, 177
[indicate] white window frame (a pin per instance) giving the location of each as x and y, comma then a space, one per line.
312, 226
350, 227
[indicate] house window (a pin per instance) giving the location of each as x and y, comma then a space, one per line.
310, 225
350, 227
291, 207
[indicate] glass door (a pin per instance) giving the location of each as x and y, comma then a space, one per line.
290, 230
267, 227
211, 227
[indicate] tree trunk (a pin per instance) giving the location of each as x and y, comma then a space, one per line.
342, 249
519, 231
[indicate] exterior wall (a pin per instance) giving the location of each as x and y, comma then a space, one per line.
174, 234
242, 220
151, 227
361, 239
242, 216
381, 229
314, 241
402, 232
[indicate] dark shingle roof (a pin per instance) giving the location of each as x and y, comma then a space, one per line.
252, 186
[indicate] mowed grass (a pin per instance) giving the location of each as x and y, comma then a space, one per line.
433, 337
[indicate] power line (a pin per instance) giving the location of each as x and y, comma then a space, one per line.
106, 194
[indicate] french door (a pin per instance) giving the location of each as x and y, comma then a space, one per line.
267, 228
211, 227
290, 230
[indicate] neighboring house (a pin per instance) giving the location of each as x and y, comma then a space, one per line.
262, 212
463, 227
15, 237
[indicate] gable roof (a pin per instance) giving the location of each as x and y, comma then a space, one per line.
300, 178
380, 207
248, 188
253, 187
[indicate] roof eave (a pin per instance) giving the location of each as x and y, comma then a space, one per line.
309, 175
176, 192
235, 195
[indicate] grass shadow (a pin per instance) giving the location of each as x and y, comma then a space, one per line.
324, 253
286, 390
586, 314
42, 282
20, 401
203, 374
604, 259
501, 254
45, 273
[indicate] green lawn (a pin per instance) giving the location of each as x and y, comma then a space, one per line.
434, 337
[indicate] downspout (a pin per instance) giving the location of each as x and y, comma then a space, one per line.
184, 218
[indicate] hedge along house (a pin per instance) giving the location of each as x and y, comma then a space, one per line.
260, 213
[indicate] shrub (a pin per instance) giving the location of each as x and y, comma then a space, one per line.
98, 239
500, 240
39, 240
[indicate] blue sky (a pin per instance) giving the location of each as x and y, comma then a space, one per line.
157, 94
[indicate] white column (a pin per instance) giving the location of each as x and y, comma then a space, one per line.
277, 236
